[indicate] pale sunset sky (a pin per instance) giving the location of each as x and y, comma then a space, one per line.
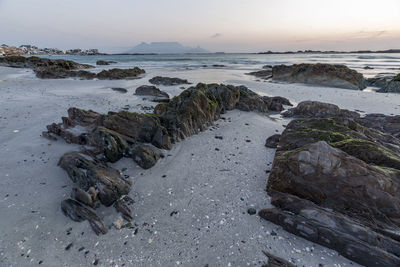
216, 25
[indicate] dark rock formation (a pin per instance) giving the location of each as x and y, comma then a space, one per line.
120, 90
104, 62
119, 74
78, 212
87, 172
315, 109
198, 107
250, 101
158, 80
45, 68
319, 74
335, 181
276, 103
393, 86
273, 141
109, 137
383, 123
146, 156
263, 74
36, 62
150, 90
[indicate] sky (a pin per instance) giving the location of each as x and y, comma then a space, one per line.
216, 25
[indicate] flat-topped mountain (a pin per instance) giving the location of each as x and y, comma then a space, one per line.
165, 48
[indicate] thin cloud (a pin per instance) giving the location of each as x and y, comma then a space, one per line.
217, 35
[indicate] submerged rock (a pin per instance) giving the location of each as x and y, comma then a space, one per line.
320, 74
104, 62
167, 81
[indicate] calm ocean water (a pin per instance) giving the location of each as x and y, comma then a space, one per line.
381, 63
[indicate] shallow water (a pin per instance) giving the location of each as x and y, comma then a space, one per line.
381, 63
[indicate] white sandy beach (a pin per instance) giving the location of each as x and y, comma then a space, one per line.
210, 190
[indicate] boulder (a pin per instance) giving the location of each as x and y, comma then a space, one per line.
150, 90
315, 109
276, 103
146, 156
273, 141
250, 101
167, 81
338, 76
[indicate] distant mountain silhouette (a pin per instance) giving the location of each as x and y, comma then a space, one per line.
164, 48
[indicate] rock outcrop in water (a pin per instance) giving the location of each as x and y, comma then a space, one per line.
151, 90
167, 81
60, 69
338, 76
335, 181
109, 137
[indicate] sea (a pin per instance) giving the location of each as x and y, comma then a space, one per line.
368, 64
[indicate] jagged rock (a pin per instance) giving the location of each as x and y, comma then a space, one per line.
167, 81
120, 90
263, 74
150, 90
78, 212
104, 62
315, 109
366, 144
113, 145
82, 196
379, 81
335, 181
383, 123
88, 172
272, 141
276, 103
250, 101
119, 74
122, 206
146, 156
75, 137
141, 127
392, 87
54, 72
198, 107
352, 240
320, 74
83, 117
